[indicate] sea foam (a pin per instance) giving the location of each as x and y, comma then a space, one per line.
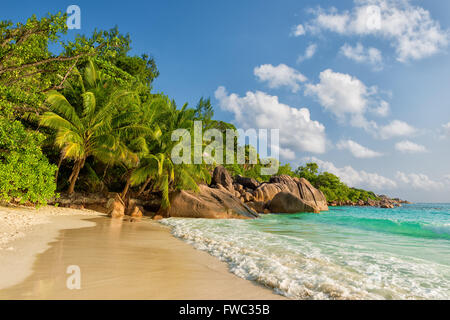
303, 260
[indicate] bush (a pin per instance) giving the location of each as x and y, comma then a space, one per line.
25, 172
332, 187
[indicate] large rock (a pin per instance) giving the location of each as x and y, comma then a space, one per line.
115, 207
286, 202
137, 212
301, 188
259, 207
249, 183
209, 203
135, 208
221, 177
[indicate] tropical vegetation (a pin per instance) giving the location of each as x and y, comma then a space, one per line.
86, 119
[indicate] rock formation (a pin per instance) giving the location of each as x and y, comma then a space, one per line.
258, 196
301, 188
115, 207
249, 183
226, 197
286, 202
208, 203
222, 177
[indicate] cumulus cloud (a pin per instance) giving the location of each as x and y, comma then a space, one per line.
360, 54
409, 29
298, 30
279, 76
382, 110
347, 96
260, 110
407, 146
418, 181
309, 53
396, 128
446, 130
447, 178
355, 178
357, 150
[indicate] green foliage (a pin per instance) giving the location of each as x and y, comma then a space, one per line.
287, 170
25, 172
28, 69
94, 121
332, 187
96, 111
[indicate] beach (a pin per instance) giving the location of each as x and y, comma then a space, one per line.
117, 259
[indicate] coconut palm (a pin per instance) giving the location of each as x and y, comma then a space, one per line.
159, 166
93, 122
144, 143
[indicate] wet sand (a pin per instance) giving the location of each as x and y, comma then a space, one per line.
130, 260
27, 232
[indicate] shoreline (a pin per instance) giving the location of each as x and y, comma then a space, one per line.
27, 232
118, 259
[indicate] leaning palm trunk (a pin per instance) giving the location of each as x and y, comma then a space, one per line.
79, 164
127, 185
61, 158
144, 186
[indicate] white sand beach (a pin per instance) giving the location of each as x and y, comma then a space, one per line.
26, 232
118, 259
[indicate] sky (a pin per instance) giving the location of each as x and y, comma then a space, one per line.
359, 86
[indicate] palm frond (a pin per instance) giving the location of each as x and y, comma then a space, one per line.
59, 105
89, 104
164, 187
52, 120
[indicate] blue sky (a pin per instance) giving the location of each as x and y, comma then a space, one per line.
361, 87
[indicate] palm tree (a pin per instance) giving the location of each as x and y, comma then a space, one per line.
143, 143
159, 166
93, 123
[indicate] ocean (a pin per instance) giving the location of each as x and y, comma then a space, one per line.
345, 253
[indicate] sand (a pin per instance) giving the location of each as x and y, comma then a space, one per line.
117, 259
26, 232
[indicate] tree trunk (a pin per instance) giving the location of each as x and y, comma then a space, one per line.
142, 189
61, 158
127, 185
74, 176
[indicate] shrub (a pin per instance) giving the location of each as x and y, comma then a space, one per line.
25, 173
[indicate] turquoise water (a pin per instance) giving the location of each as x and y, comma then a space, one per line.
346, 253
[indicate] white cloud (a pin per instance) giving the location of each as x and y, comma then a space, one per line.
407, 146
348, 97
309, 53
344, 95
279, 76
396, 128
409, 29
447, 178
298, 31
360, 54
329, 21
260, 110
418, 181
339, 93
446, 130
382, 110
357, 150
355, 178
